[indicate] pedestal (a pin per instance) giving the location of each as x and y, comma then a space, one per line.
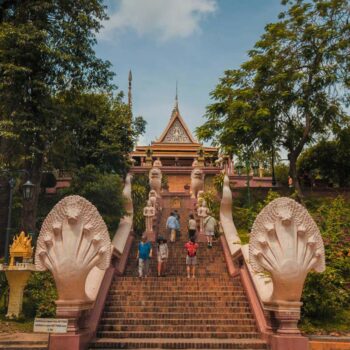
17, 280
151, 236
280, 342
288, 336
78, 333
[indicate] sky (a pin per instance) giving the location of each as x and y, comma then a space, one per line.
191, 42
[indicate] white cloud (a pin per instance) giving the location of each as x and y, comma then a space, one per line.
164, 19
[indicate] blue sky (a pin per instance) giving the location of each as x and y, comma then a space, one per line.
189, 41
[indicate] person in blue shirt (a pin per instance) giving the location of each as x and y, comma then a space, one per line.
144, 254
172, 225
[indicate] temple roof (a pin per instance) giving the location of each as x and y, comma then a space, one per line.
176, 131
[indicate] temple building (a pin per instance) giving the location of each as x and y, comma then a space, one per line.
176, 152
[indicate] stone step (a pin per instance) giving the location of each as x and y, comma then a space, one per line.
171, 309
175, 322
201, 343
202, 295
121, 298
179, 304
179, 328
177, 335
173, 315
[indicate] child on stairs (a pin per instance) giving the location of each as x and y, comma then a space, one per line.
191, 258
162, 255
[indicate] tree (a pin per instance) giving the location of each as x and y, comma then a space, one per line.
328, 160
294, 86
46, 48
98, 130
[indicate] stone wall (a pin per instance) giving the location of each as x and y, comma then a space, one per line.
177, 182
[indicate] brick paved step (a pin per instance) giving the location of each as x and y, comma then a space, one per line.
179, 304
179, 328
170, 309
173, 315
173, 312
249, 320
177, 335
209, 295
126, 299
110, 343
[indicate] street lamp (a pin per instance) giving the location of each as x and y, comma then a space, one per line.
27, 191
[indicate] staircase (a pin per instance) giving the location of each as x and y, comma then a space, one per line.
173, 312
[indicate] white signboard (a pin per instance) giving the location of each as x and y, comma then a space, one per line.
50, 325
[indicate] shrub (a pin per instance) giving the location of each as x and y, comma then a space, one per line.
327, 294
40, 295
140, 191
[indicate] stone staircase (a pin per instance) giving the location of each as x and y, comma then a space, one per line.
173, 312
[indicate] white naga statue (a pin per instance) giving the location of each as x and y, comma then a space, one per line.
202, 212
286, 242
72, 241
197, 182
226, 218
149, 212
155, 180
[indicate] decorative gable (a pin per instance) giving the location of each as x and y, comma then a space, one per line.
176, 134
176, 130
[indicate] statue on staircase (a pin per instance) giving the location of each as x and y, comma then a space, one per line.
149, 213
152, 196
155, 180
197, 182
202, 212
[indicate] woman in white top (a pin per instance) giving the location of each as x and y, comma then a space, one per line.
162, 255
192, 226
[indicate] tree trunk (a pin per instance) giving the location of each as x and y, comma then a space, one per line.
4, 200
294, 175
30, 207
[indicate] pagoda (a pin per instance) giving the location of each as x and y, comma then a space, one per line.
176, 152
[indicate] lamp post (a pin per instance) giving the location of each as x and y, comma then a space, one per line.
27, 188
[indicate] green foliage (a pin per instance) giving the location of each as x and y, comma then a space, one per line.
40, 295
46, 50
286, 94
213, 203
328, 160
327, 294
4, 289
102, 190
98, 130
140, 191
218, 182
281, 174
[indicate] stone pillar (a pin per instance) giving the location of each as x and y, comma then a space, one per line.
17, 280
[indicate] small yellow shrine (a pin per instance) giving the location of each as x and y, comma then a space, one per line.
21, 249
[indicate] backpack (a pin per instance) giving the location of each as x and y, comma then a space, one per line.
191, 249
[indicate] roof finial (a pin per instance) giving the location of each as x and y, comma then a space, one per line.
176, 98
129, 92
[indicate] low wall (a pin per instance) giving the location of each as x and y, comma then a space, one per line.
329, 345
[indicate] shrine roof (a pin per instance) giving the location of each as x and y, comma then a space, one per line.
176, 132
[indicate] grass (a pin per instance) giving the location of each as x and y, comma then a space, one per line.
22, 325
